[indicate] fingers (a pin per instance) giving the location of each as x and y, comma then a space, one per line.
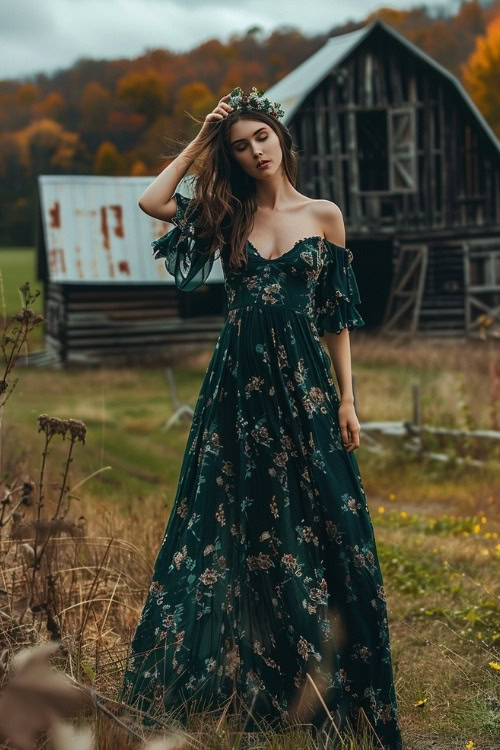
221, 110
350, 438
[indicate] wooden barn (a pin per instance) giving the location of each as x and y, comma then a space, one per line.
106, 299
393, 138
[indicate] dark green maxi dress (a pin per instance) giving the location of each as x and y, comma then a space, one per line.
268, 570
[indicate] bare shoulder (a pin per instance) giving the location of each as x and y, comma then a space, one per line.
330, 218
326, 215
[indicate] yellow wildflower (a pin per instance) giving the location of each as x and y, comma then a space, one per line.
421, 702
483, 519
494, 664
494, 534
392, 496
403, 514
487, 534
471, 745
476, 528
497, 547
381, 509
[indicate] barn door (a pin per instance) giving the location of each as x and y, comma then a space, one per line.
405, 297
482, 283
402, 154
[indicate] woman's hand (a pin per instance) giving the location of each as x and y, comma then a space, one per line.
218, 113
349, 425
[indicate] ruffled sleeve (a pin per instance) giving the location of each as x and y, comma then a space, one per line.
337, 292
186, 255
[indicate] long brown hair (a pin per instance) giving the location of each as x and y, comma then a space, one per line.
224, 200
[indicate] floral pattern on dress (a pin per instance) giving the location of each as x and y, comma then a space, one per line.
268, 570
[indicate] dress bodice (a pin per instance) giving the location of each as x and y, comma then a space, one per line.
313, 278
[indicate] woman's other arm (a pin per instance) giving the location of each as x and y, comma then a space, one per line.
339, 344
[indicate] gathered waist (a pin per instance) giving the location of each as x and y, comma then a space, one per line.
251, 305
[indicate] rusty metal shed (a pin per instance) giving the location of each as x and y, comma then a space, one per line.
106, 298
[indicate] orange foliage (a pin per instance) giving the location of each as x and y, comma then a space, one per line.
139, 169
195, 98
94, 106
481, 74
107, 160
26, 94
44, 146
124, 122
245, 75
145, 93
53, 106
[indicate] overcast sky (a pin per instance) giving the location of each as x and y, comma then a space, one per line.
44, 35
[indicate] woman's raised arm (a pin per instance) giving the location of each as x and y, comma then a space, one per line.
157, 200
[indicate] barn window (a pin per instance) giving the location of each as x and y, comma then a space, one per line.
371, 134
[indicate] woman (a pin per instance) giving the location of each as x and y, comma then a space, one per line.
267, 591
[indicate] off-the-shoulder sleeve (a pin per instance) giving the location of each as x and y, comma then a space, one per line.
337, 292
185, 254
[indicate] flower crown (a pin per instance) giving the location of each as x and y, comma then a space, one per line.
254, 100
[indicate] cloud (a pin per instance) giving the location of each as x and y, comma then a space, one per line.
42, 37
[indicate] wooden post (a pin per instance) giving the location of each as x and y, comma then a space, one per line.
417, 412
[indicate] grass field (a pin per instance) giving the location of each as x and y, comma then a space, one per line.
18, 265
437, 524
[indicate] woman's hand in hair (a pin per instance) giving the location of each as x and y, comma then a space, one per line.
222, 110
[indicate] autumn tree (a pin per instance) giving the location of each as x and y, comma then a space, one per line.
193, 99
53, 106
143, 93
94, 106
45, 147
139, 169
107, 160
481, 74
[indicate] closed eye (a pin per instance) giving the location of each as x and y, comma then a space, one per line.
244, 145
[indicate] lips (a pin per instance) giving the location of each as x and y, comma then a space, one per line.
262, 164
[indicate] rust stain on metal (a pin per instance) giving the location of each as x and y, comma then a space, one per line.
124, 267
56, 260
118, 213
105, 236
55, 215
104, 228
78, 262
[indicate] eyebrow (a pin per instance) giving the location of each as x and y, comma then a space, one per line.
243, 139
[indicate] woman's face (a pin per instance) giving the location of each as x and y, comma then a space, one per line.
253, 141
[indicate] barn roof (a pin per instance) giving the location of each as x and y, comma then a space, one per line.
292, 90
94, 232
